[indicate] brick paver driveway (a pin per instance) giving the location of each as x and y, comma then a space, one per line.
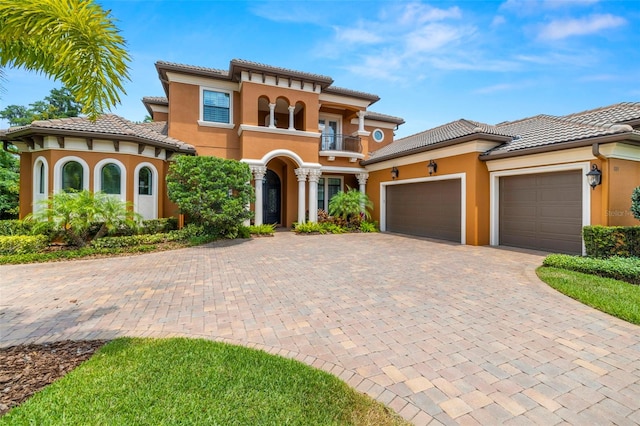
441, 333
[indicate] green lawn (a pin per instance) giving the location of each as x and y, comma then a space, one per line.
196, 382
617, 298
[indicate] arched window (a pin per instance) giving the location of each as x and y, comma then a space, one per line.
41, 176
145, 181
110, 177
72, 176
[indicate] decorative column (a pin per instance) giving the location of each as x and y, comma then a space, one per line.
272, 116
314, 177
361, 115
302, 178
292, 109
362, 181
258, 177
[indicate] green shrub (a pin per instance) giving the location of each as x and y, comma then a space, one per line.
15, 227
264, 229
617, 267
366, 226
130, 240
159, 226
607, 241
635, 203
309, 228
22, 244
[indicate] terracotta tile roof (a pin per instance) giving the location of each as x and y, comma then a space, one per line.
446, 132
544, 130
384, 117
354, 93
107, 126
534, 132
156, 100
617, 113
192, 68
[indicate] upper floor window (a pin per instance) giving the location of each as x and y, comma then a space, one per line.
110, 179
216, 107
72, 176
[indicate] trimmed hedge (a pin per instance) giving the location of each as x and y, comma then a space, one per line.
617, 267
607, 241
22, 244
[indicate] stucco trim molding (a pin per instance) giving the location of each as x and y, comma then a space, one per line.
463, 199
277, 131
494, 191
280, 153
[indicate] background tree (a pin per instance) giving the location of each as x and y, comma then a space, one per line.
59, 104
213, 192
9, 185
635, 203
74, 41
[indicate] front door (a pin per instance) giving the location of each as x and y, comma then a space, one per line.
271, 199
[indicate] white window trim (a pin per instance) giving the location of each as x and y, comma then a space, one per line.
97, 177
326, 187
36, 183
57, 172
494, 214
373, 135
463, 199
154, 188
201, 120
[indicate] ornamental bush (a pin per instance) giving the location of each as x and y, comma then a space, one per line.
22, 244
606, 241
619, 268
213, 192
635, 203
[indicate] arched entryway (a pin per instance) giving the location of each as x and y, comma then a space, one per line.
271, 198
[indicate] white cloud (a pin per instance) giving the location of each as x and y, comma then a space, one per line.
498, 20
356, 36
419, 13
529, 7
503, 87
560, 29
432, 37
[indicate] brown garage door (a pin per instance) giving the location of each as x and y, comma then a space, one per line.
425, 209
542, 211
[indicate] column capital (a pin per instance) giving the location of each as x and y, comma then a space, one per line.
292, 107
362, 114
314, 175
362, 178
302, 174
258, 172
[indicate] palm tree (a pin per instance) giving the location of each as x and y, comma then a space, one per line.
74, 41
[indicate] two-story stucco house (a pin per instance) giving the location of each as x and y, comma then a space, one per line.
302, 137
526, 183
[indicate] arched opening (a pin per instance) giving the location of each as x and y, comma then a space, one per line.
72, 176
145, 196
299, 118
263, 111
40, 183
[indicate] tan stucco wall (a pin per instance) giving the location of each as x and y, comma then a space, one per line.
91, 158
620, 178
477, 189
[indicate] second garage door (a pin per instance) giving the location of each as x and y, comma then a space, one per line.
425, 209
542, 211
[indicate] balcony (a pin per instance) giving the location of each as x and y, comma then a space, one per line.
338, 145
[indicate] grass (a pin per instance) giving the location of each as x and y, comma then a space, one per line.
196, 382
617, 298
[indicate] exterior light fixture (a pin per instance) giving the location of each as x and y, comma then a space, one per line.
394, 172
432, 166
594, 177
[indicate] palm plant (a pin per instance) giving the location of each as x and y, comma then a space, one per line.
74, 41
350, 205
75, 214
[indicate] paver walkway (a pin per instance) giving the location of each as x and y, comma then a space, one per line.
441, 333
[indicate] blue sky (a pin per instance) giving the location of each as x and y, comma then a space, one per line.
430, 62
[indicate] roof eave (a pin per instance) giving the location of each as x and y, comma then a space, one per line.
96, 135
443, 144
633, 138
236, 66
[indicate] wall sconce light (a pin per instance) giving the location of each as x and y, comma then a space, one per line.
394, 173
432, 166
594, 177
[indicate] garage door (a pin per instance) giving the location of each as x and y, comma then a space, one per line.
425, 209
542, 211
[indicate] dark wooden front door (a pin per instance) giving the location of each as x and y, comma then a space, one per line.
271, 198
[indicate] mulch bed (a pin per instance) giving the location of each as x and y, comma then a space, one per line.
25, 369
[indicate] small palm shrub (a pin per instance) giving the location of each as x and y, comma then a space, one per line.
351, 206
